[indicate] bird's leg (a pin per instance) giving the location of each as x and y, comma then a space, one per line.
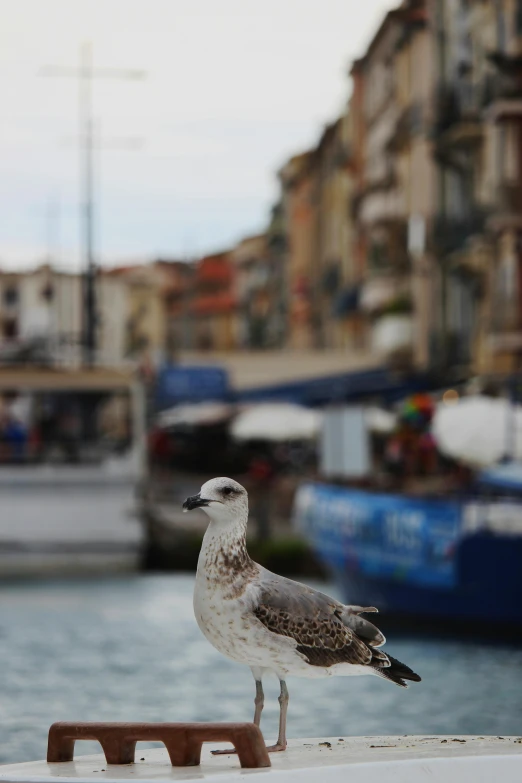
283, 709
259, 701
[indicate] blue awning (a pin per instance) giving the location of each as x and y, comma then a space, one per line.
177, 384
347, 387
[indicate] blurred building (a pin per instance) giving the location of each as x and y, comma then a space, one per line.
402, 227
335, 276
298, 196
40, 316
177, 291
142, 314
460, 146
348, 204
478, 234
149, 306
394, 182
398, 234
214, 313
259, 282
277, 250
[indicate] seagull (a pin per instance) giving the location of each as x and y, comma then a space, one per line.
270, 623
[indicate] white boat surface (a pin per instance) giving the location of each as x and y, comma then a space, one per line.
77, 518
405, 759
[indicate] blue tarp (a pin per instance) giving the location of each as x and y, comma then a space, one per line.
344, 387
177, 384
185, 384
407, 540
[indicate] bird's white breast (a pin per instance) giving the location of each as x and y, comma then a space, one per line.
224, 621
231, 627
226, 594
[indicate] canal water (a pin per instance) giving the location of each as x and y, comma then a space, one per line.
129, 649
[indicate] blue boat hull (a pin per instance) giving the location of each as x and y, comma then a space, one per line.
476, 584
489, 590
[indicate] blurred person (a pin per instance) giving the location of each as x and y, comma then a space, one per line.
13, 428
69, 434
394, 455
261, 474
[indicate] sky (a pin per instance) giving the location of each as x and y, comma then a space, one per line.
186, 158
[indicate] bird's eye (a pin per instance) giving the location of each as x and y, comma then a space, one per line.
228, 491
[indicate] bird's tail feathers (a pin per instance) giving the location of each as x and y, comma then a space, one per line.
397, 672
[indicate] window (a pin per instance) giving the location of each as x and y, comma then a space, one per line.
10, 328
518, 17
10, 296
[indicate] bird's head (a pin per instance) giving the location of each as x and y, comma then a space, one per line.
222, 499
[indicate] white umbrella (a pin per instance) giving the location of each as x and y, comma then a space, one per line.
380, 420
196, 414
478, 430
276, 422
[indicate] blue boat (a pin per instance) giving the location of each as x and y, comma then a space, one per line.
431, 563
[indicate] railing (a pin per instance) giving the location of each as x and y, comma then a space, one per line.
451, 233
57, 352
53, 351
457, 103
450, 350
509, 199
500, 86
506, 316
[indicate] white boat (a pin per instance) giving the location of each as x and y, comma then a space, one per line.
76, 518
405, 759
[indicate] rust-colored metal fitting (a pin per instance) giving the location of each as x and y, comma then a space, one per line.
182, 740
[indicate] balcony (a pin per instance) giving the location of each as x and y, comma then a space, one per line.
506, 324
507, 64
504, 109
385, 207
507, 211
452, 351
384, 289
451, 234
506, 342
459, 108
409, 124
503, 89
506, 337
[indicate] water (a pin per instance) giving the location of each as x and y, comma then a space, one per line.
130, 649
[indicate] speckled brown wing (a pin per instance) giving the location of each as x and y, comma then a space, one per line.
326, 631
324, 640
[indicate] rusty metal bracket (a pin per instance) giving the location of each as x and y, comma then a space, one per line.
182, 740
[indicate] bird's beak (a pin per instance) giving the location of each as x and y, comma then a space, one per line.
195, 501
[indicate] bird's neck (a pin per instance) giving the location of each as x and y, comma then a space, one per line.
224, 558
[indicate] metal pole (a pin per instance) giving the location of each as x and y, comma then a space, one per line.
86, 163
85, 74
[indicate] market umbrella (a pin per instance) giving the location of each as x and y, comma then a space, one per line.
478, 431
196, 414
276, 422
379, 420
